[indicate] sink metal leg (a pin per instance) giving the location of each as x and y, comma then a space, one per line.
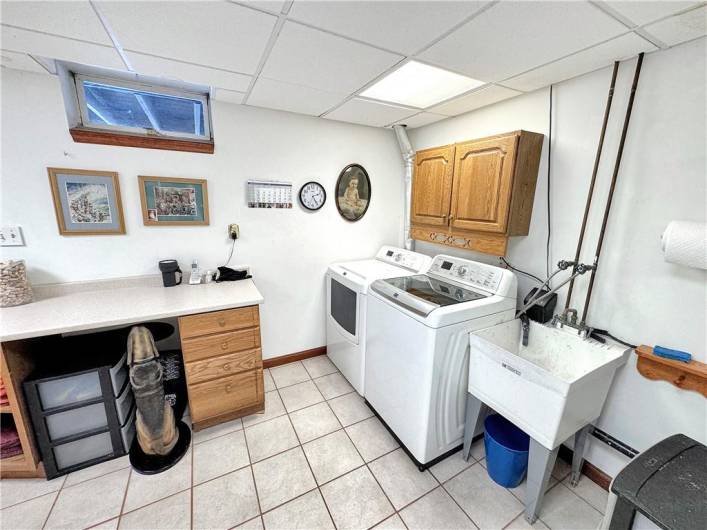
541, 462
475, 414
580, 446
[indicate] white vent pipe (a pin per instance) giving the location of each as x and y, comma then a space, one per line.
408, 158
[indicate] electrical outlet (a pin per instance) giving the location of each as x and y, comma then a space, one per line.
11, 236
233, 231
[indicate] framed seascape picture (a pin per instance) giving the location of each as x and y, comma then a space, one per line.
353, 192
86, 202
174, 201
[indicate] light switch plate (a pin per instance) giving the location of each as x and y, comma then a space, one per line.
11, 236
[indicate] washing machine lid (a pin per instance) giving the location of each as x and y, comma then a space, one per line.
422, 294
372, 269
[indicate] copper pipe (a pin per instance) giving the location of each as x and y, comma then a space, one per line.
617, 164
590, 193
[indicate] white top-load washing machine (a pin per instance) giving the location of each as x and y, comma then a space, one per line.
417, 349
347, 288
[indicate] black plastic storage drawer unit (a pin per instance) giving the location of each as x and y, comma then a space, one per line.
81, 402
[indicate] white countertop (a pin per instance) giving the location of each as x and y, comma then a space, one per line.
79, 306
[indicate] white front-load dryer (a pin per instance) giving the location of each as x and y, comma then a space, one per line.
347, 295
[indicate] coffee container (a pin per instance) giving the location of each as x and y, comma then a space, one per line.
170, 269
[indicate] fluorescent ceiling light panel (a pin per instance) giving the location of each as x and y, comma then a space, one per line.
420, 85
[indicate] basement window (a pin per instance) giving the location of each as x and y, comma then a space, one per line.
125, 112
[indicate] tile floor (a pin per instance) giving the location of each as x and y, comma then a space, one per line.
317, 458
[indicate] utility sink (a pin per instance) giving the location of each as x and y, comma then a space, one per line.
551, 388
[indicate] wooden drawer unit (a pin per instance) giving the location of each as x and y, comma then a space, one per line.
225, 395
223, 364
218, 321
212, 345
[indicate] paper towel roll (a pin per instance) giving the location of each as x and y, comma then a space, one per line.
685, 243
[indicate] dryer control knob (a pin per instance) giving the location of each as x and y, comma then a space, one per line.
398, 257
461, 271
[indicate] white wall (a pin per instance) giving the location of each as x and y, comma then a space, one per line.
288, 250
637, 296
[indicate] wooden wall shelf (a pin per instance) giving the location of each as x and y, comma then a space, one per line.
688, 376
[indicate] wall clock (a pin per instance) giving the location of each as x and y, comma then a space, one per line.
312, 196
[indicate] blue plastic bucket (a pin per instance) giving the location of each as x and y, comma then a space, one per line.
506, 451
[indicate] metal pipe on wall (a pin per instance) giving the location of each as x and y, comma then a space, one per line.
408, 159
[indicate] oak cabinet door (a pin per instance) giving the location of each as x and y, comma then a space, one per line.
432, 186
483, 178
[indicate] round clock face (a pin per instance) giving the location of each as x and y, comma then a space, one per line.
312, 196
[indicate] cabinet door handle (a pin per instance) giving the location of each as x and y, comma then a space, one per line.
224, 345
226, 367
229, 388
222, 322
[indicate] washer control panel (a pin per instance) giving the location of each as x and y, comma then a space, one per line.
475, 274
404, 258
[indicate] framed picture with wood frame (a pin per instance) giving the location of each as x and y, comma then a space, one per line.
86, 202
173, 201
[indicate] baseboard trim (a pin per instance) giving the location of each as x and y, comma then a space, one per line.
591, 471
292, 357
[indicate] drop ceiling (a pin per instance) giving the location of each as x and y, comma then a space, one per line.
318, 57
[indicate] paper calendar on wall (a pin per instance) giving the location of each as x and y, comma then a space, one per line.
269, 194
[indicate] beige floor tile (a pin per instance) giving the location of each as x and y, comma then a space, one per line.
218, 430
29, 515
394, 522
561, 469
371, 438
333, 385
269, 438
96, 471
144, 489
219, 456
350, 409
268, 381
19, 490
520, 491
282, 478
519, 523
436, 510
400, 478
307, 512
289, 374
90, 502
488, 504
225, 501
273, 409
450, 466
172, 513
478, 450
331, 456
253, 524
563, 510
110, 524
319, 366
301, 395
590, 492
356, 500
313, 422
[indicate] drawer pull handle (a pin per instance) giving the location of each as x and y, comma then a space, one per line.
229, 388
226, 367
222, 322
224, 345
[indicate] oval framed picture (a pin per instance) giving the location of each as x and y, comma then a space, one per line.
353, 192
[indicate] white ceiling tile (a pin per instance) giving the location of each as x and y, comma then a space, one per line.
580, 63
74, 19
366, 112
641, 12
229, 96
293, 98
60, 48
420, 120
218, 34
680, 28
191, 73
404, 27
475, 100
20, 61
313, 58
512, 37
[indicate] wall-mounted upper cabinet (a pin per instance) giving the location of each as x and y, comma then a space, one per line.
475, 195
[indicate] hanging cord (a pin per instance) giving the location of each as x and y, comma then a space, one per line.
508, 265
230, 254
549, 167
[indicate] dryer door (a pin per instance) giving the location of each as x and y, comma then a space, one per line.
343, 307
